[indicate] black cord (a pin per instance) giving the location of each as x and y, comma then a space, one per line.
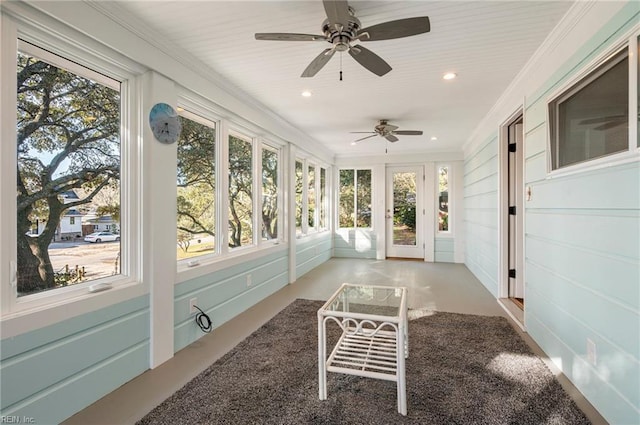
203, 321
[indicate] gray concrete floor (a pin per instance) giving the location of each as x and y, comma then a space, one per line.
435, 286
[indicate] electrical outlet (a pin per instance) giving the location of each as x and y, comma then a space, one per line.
592, 356
192, 305
249, 282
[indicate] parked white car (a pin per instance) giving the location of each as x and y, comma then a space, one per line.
98, 237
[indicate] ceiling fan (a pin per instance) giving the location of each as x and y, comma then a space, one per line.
342, 28
605, 123
388, 131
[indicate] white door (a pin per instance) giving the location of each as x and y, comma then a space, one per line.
405, 212
516, 210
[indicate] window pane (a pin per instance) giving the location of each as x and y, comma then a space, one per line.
404, 208
346, 214
323, 198
363, 201
68, 153
196, 189
311, 195
299, 181
269, 194
443, 199
240, 196
593, 121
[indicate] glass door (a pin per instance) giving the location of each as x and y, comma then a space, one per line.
405, 212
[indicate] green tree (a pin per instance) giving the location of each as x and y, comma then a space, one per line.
404, 199
240, 193
346, 213
68, 137
299, 189
196, 180
269, 194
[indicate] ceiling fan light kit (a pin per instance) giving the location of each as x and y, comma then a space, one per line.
342, 28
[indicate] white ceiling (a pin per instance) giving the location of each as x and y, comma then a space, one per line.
485, 43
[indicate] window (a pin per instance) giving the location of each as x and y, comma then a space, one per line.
323, 199
311, 196
68, 158
196, 187
355, 198
443, 199
637, 65
240, 191
299, 203
269, 193
591, 119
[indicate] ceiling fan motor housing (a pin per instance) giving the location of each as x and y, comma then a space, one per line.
341, 37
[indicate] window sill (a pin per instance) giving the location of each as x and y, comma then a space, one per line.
214, 264
609, 161
312, 235
30, 316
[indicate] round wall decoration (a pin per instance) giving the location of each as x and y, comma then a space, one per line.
164, 123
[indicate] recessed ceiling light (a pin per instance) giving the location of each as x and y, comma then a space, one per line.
434, 138
449, 76
353, 143
306, 93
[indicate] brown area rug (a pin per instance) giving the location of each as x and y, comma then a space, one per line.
462, 369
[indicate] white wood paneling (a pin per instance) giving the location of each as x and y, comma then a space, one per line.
486, 43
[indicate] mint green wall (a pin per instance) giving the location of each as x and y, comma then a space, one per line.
582, 247
53, 372
311, 252
481, 213
354, 243
582, 265
444, 250
225, 294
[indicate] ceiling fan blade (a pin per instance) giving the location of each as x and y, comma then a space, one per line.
364, 138
391, 138
611, 124
283, 36
338, 13
317, 64
408, 132
599, 120
369, 60
395, 29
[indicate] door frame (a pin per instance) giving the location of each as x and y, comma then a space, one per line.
420, 209
503, 217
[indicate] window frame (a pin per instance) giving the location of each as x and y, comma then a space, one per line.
590, 72
355, 198
193, 111
87, 59
247, 136
449, 231
312, 166
307, 163
322, 201
273, 147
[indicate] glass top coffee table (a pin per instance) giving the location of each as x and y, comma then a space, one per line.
374, 341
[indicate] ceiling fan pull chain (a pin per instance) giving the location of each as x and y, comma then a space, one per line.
340, 66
